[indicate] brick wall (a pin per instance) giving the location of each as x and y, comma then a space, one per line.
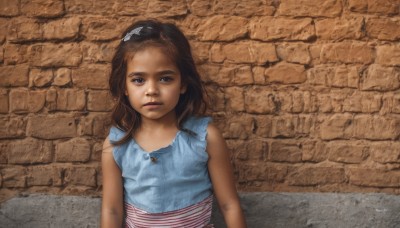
306, 92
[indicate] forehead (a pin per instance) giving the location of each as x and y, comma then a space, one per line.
150, 58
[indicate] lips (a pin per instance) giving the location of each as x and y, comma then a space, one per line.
153, 104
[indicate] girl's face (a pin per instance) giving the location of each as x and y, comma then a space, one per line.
153, 84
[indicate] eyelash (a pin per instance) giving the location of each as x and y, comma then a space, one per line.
163, 79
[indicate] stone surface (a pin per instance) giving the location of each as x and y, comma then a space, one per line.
14, 75
270, 28
314, 8
347, 52
99, 29
55, 55
14, 177
244, 52
347, 152
388, 55
24, 101
286, 73
376, 127
9, 8
388, 152
241, 8
13, 127
383, 28
285, 152
99, 100
42, 8
16, 54
259, 100
4, 101
62, 77
92, 76
294, 52
43, 176
24, 29
380, 78
74, 150
339, 29
341, 76
51, 127
384, 7
84, 176
30, 151
71, 99
317, 175
276, 210
223, 28
337, 126
40, 77
62, 29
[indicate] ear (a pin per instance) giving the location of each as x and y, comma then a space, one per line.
183, 89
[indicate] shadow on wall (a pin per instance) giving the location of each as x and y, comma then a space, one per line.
262, 210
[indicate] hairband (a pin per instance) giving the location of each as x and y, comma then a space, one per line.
135, 31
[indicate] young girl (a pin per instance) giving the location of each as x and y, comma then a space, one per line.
162, 161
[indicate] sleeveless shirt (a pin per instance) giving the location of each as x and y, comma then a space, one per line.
170, 178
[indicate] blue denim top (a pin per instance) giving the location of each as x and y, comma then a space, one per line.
169, 178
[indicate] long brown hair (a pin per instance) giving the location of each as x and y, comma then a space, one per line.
140, 35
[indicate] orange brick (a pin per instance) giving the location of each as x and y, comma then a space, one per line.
78, 175
99, 100
55, 55
92, 76
13, 177
51, 127
271, 28
383, 28
74, 150
24, 29
313, 8
42, 8
9, 8
30, 151
71, 99
61, 29
316, 175
24, 101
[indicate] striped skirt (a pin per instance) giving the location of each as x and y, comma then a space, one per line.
194, 216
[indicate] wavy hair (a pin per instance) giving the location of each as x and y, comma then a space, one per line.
167, 36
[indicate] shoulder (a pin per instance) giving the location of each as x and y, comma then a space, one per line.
213, 133
116, 134
198, 126
195, 122
215, 140
107, 146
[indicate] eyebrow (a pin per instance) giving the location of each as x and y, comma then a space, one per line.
138, 73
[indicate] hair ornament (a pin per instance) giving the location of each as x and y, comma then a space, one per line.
135, 31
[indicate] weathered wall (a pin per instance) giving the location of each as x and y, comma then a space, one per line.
306, 92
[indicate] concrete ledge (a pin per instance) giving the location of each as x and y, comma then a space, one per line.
261, 209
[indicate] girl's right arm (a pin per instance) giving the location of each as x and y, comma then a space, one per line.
112, 202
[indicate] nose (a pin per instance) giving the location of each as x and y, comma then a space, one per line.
152, 89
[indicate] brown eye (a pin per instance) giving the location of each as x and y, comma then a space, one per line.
166, 79
137, 80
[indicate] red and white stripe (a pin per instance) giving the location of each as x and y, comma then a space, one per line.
194, 216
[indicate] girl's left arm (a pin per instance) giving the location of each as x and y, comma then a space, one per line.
221, 174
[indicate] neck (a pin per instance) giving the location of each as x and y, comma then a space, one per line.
165, 122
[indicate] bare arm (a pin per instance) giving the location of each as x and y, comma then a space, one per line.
220, 169
112, 202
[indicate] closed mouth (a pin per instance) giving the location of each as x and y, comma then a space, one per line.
152, 103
